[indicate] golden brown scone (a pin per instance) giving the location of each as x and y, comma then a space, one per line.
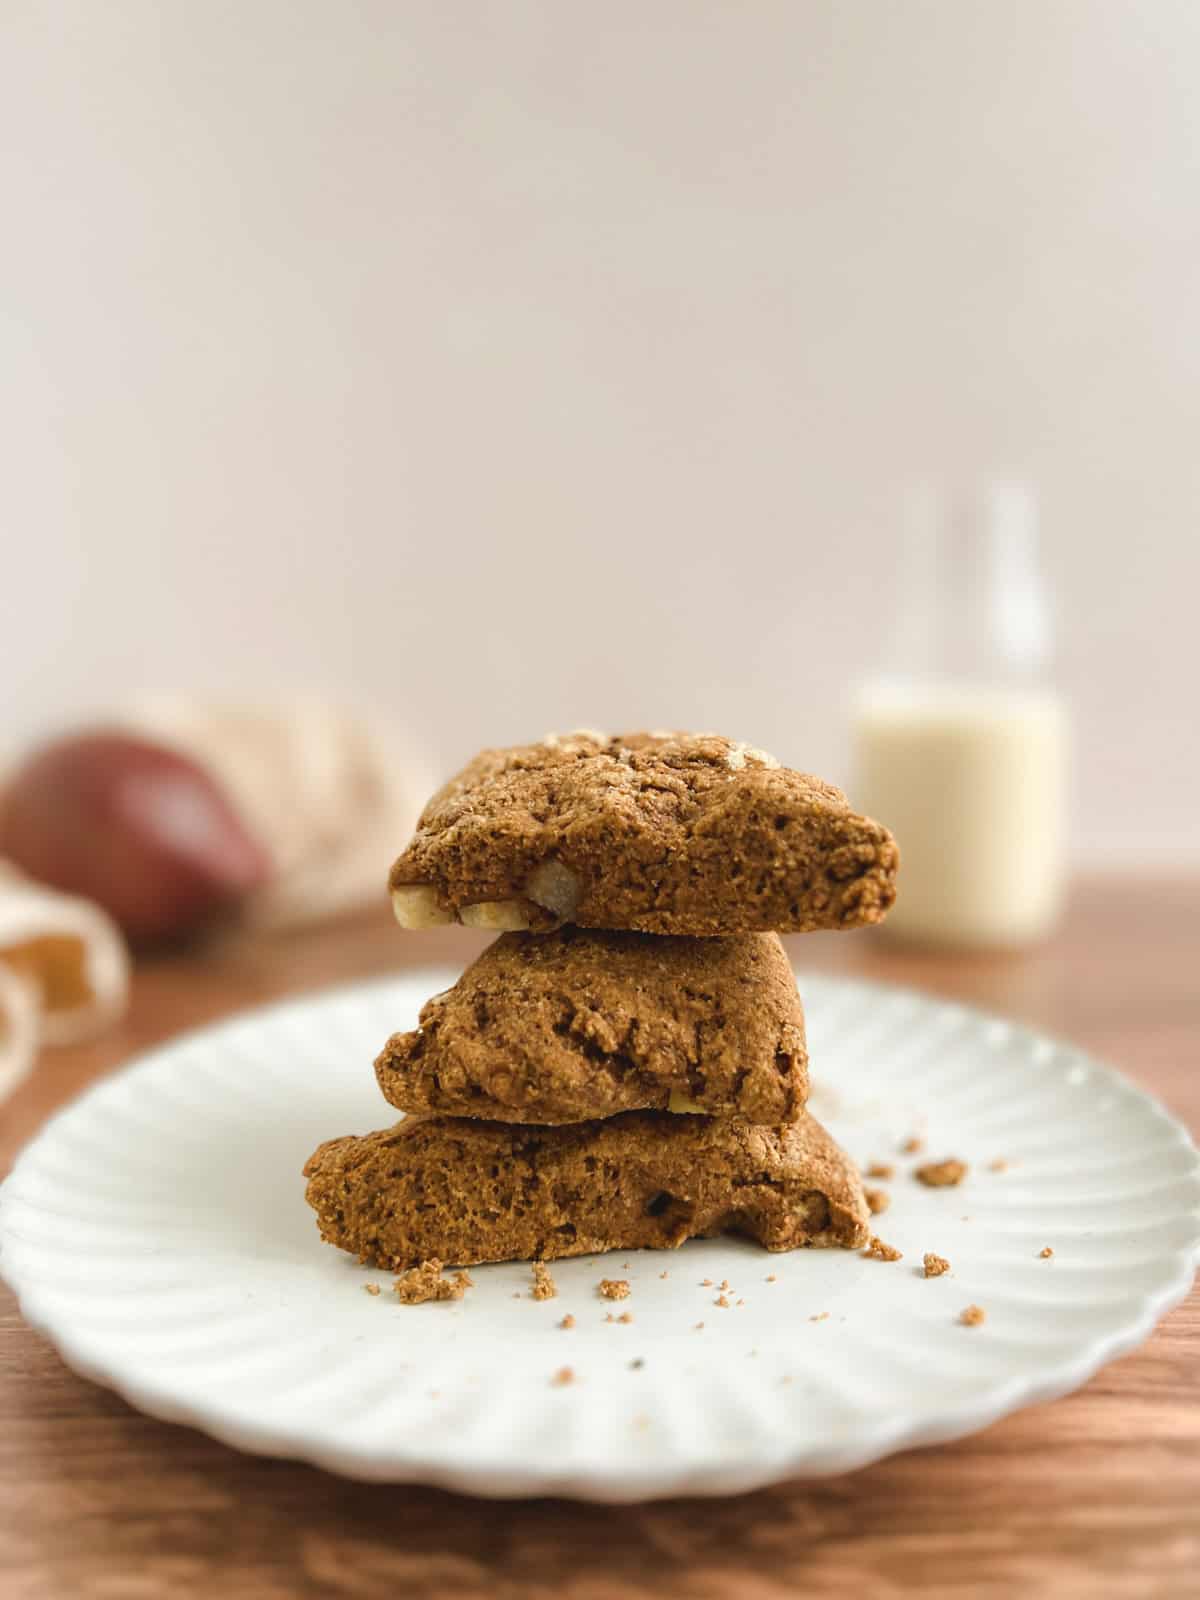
467, 1192
580, 1024
660, 833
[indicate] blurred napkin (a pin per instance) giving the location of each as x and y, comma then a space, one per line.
331, 795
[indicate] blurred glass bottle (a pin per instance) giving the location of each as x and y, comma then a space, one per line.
961, 743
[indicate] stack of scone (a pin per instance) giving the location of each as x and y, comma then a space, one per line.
625, 1066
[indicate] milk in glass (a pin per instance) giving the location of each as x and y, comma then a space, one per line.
960, 746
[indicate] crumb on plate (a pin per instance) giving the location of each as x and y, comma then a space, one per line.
972, 1316
544, 1286
881, 1169
878, 1251
614, 1288
877, 1200
935, 1265
424, 1283
941, 1174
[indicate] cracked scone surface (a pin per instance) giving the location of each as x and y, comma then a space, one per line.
470, 1192
577, 1024
662, 833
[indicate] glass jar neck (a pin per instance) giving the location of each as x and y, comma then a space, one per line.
972, 604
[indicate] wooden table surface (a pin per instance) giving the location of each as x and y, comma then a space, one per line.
1095, 1495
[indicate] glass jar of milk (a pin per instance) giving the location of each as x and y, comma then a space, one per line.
961, 746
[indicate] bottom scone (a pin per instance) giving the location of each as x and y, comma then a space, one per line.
468, 1191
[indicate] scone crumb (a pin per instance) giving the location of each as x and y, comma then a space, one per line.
614, 1288
544, 1287
941, 1174
878, 1251
723, 1285
880, 1169
877, 1200
723, 1300
626, 1316
664, 1274
935, 1265
741, 1302
424, 1283
972, 1316
699, 1325
568, 1321
563, 1376
706, 1283
998, 1165
821, 1316
637, 1364
1045, 1253
371, 1288
770, 1277
913, 1145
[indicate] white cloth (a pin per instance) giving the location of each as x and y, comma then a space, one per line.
30, 912
18, 1029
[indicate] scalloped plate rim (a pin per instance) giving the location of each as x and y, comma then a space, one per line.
623, 1484
607, 1482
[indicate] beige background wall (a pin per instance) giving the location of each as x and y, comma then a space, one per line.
531, 364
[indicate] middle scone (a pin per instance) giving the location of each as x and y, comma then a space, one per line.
578, 1024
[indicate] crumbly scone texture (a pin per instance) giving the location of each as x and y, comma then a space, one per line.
578, 1024
468, 1191
661, 833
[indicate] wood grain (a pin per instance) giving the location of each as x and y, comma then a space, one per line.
1098, 1494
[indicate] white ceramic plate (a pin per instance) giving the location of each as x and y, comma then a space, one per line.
156, 1231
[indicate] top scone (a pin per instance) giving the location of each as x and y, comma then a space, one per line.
671, 833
